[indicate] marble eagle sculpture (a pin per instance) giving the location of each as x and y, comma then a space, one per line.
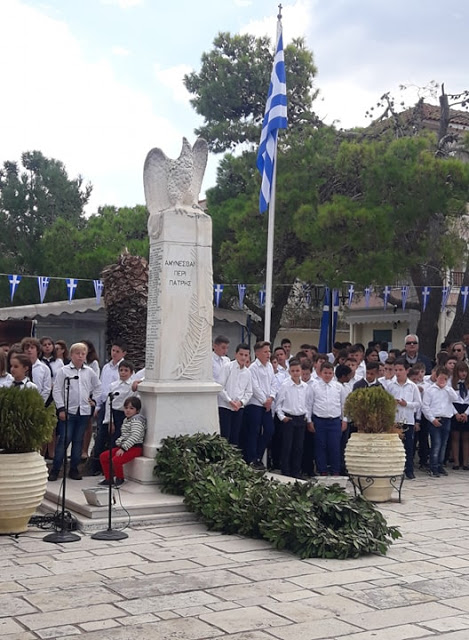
174, 184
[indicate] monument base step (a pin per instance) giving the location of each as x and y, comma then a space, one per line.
132, 504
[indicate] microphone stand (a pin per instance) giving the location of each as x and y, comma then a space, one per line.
110, 533
63, 535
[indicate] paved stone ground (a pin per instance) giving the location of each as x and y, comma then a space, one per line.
181, 582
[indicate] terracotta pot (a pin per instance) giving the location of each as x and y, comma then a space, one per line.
23, 480
372, 456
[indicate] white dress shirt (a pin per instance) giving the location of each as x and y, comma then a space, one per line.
124, 389
81, 390
217, 364
109, 374
328, 398
264, 383
42, 378
438, 402
237, 385
409, 392
25, 384
54, 365
6, 380
295, 399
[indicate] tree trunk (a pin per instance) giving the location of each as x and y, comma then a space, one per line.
427, 328
460, 324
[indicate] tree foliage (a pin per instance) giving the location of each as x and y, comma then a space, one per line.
231, 88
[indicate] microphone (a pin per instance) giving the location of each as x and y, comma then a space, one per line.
114, 395
68, 378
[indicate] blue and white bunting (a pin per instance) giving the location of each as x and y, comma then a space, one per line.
275, 118
72, 284
262, 297
425, 297
307, 294
98, 290
217, 291
405, 295
444, 297
386, 294
464, 295
241, 294
14, 281
367, 296
351, 291
42, 283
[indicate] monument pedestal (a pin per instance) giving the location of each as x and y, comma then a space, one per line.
171, 409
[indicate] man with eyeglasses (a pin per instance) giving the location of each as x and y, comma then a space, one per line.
412, 355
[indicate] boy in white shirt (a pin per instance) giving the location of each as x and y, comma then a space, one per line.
235, 379
328, 409
438, 409
40, 373
293, 407
75, 385
408, 403
121, 389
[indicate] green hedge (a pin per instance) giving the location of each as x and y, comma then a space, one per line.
312, 520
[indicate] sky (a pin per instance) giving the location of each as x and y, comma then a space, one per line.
98, 83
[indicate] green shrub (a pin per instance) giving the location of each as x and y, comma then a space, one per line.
311, 520
372, 410
25, 423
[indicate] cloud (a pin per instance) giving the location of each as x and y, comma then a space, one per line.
242, 3
123, 4
74, 110
296, 21
172, 78
120, 51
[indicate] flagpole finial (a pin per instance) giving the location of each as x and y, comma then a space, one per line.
279, 15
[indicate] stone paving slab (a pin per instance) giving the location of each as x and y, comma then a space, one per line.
182, 582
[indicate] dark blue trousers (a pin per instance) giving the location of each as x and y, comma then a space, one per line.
259, 430
230, 424
328, 437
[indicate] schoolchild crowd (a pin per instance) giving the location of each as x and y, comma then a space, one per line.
292, 406
83, 395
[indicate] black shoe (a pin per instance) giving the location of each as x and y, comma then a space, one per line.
257, 466
442, 471
423, 467
465, 468
434, 474
410, 476
53, 475
75, 475
105, 483
118, 482
456, 467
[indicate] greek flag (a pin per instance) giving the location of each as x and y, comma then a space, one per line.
275, 118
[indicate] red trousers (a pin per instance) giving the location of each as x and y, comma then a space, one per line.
118, 462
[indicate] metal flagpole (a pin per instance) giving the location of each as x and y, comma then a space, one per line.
275, 117
270, 254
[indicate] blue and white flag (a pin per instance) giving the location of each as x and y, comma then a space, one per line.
425, 296
464, 295
387, 293
405, 294
98, 289
367, 296
262, 297
14, 281
444, 297
217, 291
72, 284
241, 294
335, 316
351, 291
323, 345
307, 294
275, 118
42, 283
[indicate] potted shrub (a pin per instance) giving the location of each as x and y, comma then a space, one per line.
25, 425
375, 454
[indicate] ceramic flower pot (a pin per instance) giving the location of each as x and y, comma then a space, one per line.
23, 479
374, 459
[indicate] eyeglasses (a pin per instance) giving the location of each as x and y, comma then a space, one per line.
457, 349
411, 342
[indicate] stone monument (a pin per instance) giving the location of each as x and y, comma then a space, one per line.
178, 393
